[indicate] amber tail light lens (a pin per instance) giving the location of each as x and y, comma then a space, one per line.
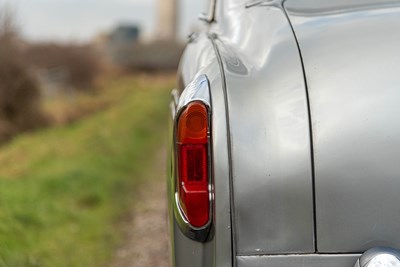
193, 169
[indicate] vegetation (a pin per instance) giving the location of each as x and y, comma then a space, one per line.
76, 66
29, 71
19, 91
64, 189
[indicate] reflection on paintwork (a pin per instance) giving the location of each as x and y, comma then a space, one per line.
232, 62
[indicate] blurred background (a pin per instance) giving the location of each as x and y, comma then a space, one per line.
84, 92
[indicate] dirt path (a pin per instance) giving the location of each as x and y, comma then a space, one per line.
146, 231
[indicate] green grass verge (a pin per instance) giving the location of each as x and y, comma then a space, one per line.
63, 190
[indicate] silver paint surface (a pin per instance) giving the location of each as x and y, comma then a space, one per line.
188, 252
270, 138
351, 57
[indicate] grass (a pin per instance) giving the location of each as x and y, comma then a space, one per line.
66, 105
63, 190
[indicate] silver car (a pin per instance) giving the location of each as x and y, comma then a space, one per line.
285, 136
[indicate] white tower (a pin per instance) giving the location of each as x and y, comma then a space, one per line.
167, 20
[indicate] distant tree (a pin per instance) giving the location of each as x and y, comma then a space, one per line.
19, 91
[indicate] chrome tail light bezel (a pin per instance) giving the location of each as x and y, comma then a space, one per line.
196, 91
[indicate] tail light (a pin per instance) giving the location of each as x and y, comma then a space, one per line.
193, 166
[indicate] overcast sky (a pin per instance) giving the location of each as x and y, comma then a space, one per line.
80, 20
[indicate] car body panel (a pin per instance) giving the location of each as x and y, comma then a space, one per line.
351, 55
269, 131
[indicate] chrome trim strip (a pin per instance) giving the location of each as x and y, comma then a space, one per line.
255, 3
210, 16
175, 96
212, 38
174, 102
294, 260
196, 90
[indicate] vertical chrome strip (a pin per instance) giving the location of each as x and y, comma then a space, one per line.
212, 37
209, 17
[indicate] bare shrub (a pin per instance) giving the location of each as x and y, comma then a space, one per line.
19, 92
81, 62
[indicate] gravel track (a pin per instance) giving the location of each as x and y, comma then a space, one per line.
145, 231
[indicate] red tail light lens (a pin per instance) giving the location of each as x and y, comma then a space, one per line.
193, 180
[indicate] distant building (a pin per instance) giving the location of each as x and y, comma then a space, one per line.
167, 20
120, 39
125, 34
124, 48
